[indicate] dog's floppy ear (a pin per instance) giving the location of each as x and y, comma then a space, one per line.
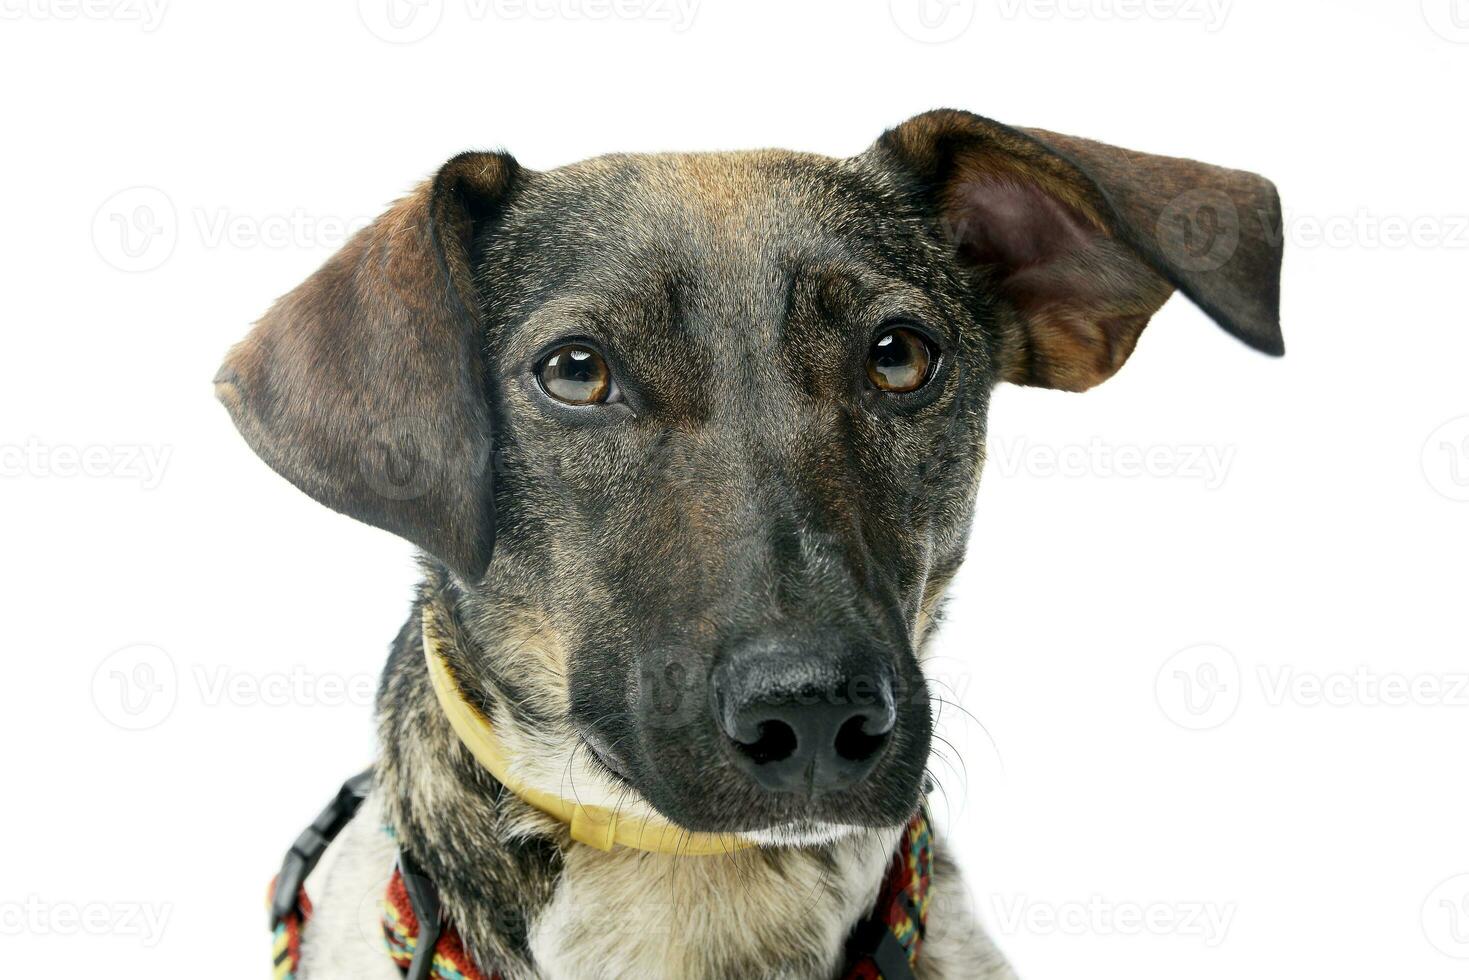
365, 385
1086, 241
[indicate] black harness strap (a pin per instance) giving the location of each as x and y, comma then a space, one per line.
306, 853
312, 844
423, 895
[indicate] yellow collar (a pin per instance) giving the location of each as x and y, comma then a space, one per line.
596, 826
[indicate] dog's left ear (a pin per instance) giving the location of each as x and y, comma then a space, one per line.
1086, 241
365, 385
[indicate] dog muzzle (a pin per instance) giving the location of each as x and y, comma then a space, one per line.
591, 825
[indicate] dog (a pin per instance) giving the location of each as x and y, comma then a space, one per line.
689, 446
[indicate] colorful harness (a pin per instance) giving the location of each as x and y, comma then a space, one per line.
883, 946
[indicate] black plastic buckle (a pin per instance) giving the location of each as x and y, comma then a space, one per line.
306, 852
873, 941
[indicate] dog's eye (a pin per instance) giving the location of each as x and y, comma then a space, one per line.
901, 360
575, 374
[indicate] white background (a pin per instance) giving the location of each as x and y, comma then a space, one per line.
177, 586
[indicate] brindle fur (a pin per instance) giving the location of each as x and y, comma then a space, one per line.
749, 483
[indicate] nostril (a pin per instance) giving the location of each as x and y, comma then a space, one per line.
855, 744
776, 742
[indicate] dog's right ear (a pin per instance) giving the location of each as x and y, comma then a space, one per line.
365, 386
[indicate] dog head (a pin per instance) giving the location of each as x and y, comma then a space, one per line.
720, 419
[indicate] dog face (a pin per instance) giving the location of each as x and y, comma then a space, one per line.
734, 506
720, 418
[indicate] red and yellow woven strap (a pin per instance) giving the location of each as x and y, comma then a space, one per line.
892, 949
400, 928
886, 945
286, 940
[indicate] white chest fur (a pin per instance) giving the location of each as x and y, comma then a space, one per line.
783, 914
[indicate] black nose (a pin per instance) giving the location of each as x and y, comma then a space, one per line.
800, 719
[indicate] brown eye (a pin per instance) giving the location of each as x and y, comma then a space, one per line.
900, 361
576, 375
